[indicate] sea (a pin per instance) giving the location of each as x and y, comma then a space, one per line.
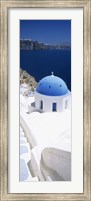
41, 63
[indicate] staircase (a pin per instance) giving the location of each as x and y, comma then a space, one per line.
25, 159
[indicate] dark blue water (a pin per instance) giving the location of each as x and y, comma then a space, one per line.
40, 63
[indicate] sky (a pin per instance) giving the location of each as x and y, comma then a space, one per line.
46, 31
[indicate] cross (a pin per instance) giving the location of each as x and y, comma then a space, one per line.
52, 73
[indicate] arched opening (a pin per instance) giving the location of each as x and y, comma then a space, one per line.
54, 107
41, 105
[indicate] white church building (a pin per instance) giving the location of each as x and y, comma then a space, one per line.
45, 120
51, 95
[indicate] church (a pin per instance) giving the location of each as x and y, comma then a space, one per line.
51, 95
45, 121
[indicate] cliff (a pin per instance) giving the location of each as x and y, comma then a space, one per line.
28, 79
35, 45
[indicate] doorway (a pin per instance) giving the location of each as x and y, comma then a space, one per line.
54, 107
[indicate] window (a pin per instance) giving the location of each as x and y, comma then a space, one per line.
41, 104
66, 104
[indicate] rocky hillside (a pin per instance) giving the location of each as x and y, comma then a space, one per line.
36, 45
28, 79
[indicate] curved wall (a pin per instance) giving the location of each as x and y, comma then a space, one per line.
52, 103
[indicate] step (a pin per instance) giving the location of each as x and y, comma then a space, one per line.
23, 140
22, 134
24, 148
21, 129
24, 171
26, 156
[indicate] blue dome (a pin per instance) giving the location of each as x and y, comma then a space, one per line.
52, 86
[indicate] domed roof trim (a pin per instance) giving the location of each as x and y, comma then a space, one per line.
52, 86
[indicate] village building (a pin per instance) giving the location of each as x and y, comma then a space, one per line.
45, 119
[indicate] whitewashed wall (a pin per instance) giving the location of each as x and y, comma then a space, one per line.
56, 163
49, 100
